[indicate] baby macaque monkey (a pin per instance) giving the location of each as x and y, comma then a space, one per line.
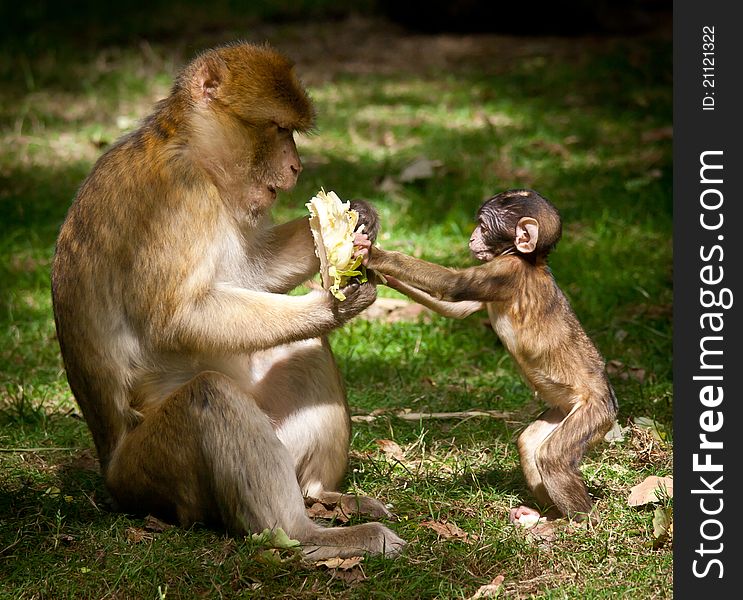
515, 232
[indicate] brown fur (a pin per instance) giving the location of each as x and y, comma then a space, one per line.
538, 327
211, 395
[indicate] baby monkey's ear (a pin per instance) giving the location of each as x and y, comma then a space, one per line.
527, 235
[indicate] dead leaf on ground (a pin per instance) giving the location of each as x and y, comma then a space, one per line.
155, 525
537, 528
340, 563
542, 532
420, 168
615, 434
490, 590
351, 576
136, 535
86, 461
346, 569
449, 531
652, 489
391, 449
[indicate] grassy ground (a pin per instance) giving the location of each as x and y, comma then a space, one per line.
585, 121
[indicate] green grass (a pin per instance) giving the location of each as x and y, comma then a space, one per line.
583, 121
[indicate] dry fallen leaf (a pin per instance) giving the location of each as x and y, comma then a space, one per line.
136, 535
420, 168
652, 489
391, 449
491, 590
86, 461
615, 434
154, 524
542, 532
351, 576
340, 563
346, 569
449, 531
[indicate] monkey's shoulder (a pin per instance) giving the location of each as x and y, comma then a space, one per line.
533, 311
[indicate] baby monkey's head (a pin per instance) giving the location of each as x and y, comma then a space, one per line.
515, 222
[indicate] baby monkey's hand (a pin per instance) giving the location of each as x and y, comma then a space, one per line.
363, 246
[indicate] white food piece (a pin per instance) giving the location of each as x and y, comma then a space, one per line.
333, 223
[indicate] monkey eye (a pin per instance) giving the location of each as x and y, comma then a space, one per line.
282, 130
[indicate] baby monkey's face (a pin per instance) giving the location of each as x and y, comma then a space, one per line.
479, 245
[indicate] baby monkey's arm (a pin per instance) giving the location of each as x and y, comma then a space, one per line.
454, 310
483, 283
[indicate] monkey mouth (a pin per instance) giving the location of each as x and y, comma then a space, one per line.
272, 191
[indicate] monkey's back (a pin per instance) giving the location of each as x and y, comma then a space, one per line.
98, 276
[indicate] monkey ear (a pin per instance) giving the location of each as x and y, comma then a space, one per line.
208, 78
527, 234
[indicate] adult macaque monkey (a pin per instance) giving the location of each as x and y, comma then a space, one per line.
515, 232
211, 394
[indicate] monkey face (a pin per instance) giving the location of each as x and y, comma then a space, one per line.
247, 104
479, 245
275, 162
286, 159
494, 234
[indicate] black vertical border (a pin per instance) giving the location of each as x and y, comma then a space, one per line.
695, 131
